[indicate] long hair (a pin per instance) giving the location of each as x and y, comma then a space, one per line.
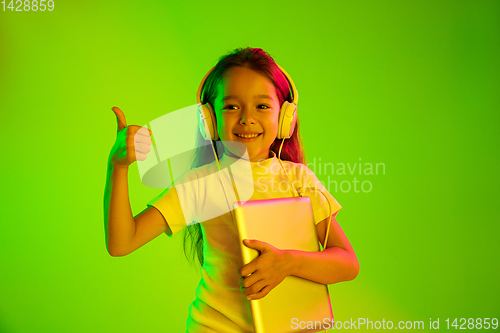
292, 150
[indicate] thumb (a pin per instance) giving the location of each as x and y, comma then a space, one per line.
120, 118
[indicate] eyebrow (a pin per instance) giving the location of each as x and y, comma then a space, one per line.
255, 96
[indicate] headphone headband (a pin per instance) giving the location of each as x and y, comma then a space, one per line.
291, 86
295, 93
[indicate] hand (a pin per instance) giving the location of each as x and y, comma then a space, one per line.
132, 142
267, 270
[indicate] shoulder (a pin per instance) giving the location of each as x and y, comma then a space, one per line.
307, 176
307, 172
299, 170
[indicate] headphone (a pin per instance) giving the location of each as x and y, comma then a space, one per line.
286, 122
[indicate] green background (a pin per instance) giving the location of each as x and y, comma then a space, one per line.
411, 84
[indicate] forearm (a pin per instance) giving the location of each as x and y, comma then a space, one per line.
329, 266
119, 223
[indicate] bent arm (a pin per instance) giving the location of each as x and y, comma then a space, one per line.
336, 263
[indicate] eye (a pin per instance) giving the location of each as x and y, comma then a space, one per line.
265, 106
229, 107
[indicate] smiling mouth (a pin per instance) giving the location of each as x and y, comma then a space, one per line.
247, 136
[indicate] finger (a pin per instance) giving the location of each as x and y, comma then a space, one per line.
140, 156
249, 268
255, 244
134, 155
142, 139
133, 137
137, 146
141, 130
120, 118
255, 288
144, 131
261, 293
249, 281
142, 148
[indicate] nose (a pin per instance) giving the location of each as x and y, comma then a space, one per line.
246, 117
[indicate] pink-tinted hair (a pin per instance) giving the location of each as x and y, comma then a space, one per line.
292, 150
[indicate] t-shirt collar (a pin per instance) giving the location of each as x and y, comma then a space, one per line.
227, 159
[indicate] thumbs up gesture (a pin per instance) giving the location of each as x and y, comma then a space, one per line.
132, 142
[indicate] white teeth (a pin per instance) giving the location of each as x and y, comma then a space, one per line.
248, 136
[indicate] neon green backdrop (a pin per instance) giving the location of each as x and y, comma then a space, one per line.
410, 84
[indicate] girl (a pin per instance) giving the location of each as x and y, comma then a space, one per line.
246, 90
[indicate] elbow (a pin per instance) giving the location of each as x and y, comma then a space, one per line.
349, 271
114, 253
354, 269
351, 268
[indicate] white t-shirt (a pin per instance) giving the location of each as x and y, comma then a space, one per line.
220, 306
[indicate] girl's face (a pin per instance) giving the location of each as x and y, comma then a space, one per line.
247, 104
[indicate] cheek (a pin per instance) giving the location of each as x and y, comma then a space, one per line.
274, 121
224, 125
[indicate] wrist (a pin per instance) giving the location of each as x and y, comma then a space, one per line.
120, 168
116, 166
292, 261
113, 164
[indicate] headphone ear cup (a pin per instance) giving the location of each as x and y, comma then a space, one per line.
208, 122
287, 120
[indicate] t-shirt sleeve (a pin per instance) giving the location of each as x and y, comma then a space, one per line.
319, 204
179, 203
